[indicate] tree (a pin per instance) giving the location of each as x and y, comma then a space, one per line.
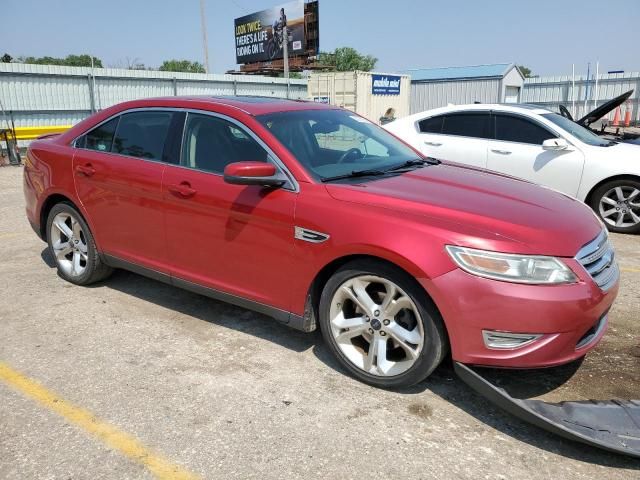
6, 58
526, 72
181, 66
345, 59
83, 60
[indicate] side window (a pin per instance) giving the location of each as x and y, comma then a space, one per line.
475, 125
515, 129
212, 143
431, 125
142, 134
100, 138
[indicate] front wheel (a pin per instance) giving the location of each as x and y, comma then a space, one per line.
380, 325
617, 203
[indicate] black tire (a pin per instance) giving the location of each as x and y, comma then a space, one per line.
94, 269
626, 184
436, 344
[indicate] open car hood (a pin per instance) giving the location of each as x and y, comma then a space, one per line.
612, 425
598, 113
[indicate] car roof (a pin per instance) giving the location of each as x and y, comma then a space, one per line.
249, 104
498, 107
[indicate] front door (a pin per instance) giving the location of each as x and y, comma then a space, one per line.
517, 150
232, 238
118, 169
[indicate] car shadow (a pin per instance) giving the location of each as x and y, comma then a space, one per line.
443, 382
202, 308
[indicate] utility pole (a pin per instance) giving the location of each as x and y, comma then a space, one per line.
285, 50
204, 37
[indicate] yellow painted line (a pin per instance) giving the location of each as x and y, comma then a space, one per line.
110, 435
637, 270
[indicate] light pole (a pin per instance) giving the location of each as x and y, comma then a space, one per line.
203, 23
285, 50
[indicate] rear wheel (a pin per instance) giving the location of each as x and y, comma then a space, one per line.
617, 203
381, 325
72, 246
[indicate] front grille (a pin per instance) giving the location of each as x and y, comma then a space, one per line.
598, 259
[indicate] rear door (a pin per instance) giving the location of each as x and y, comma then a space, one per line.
457, 137
237, 239
517, 150
118, 169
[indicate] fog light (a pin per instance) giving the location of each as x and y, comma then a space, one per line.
504, 340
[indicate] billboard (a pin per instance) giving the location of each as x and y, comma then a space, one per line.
259, 36
385, 84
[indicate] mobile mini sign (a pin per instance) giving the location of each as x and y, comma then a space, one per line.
260, 36
385, 84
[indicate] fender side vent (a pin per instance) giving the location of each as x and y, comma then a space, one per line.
310, 235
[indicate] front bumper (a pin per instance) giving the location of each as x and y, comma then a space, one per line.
564, 315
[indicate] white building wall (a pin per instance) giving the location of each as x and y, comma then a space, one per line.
428, 95
514, 80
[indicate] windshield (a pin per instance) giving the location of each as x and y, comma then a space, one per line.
583, 134
332, 143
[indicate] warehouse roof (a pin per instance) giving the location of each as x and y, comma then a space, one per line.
491, 70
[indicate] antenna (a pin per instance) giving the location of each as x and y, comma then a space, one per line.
203, 24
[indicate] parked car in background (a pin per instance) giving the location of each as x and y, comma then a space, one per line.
538, 145
316, 216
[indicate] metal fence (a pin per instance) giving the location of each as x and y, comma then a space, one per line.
42, 95
581, 95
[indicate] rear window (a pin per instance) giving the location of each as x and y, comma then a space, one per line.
475, 125
100, 138
431, 125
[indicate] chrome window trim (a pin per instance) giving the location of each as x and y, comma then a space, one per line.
291, 185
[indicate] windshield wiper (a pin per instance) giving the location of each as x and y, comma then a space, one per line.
376, 172
418, 162
354, 174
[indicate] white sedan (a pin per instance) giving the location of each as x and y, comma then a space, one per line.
538, 145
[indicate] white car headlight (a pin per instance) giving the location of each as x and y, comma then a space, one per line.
532, 269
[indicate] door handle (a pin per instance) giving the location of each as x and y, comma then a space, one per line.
502, 152
433, 144
86, 170
183, 190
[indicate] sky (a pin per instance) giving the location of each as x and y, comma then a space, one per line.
548, 36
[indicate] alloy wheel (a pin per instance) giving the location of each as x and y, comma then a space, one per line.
376, 325
620, 206
69, 244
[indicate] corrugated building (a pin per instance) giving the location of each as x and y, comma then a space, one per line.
489, 83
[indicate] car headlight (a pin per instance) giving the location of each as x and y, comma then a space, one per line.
532, 269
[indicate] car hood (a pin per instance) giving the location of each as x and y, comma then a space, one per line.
526, 218
599, 112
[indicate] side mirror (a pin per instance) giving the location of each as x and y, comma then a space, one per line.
555, 144
253, 173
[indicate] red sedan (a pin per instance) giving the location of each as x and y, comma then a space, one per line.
317, 217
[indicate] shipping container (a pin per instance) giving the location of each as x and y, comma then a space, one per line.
370, 94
